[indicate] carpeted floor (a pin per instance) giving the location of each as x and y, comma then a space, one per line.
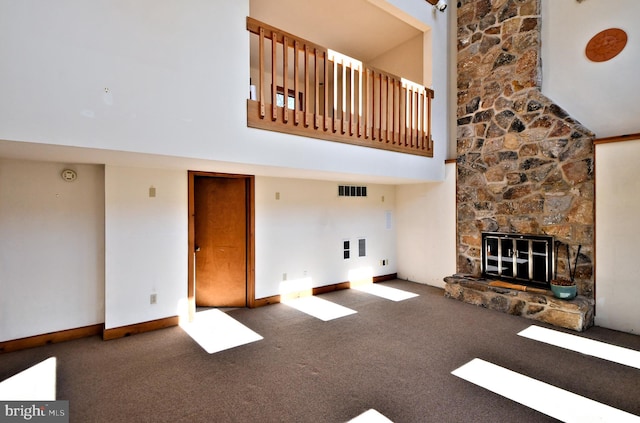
394, 357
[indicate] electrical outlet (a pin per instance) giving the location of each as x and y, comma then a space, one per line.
153, 298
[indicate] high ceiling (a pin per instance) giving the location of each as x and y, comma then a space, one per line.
357, 28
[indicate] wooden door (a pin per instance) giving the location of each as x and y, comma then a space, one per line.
220, 236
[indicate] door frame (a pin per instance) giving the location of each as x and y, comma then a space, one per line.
250, 241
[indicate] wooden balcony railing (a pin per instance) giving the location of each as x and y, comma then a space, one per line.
305, 89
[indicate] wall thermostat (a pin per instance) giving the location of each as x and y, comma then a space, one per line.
69, 175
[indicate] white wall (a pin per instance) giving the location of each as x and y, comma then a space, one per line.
427, 230
600, 95
302, 232
154, 76
51, 249
617, 234
146, 244
406, 60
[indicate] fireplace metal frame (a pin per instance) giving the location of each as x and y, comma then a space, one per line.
526, 259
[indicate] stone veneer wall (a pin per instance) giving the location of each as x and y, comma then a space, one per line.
524, 165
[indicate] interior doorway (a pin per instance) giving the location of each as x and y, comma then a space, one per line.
221, 241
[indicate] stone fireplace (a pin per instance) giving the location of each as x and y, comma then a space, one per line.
524, 165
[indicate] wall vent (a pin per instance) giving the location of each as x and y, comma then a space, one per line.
351, 191
362, 247
346, 249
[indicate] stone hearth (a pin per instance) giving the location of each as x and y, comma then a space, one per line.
576, 314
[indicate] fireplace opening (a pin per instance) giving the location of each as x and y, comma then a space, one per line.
524, 259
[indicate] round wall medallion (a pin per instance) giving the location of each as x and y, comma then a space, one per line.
69, 175
606, 45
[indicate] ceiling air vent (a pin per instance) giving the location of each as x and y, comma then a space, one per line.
351, 191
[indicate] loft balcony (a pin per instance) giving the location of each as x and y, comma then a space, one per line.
301, 88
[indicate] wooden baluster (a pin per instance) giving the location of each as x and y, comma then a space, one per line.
285, 79
377, 108
411, 113
396, 112
413, 119
390, 83
367, 104
296, 85
316, 92
261, 74
326, 91
305, 108
384, 109
274, 86
336, 122
360, 99
352, 122
374, 106
429, 140
344, 114
403, 116
420, 143
416, 99
380, 110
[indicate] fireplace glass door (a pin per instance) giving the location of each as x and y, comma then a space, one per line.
524, 259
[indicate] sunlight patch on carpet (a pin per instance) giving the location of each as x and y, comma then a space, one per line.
37, 383
582, 345
370, 416
319, 308
548, 399
216, 331
386, 292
